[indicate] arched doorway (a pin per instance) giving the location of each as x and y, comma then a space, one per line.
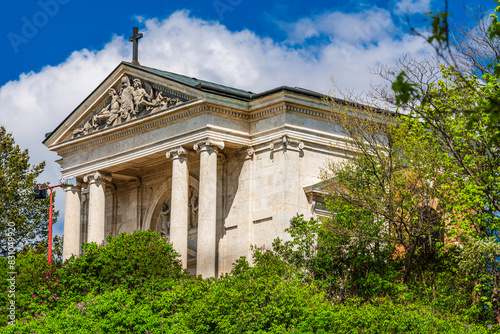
157, 215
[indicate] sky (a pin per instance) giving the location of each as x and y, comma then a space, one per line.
53, 53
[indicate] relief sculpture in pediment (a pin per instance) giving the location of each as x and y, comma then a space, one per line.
132, 101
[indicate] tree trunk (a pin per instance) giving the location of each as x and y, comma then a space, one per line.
408, 262
476, 293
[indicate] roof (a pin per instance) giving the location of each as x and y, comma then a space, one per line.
204, 86
318, 188
192, 82
210, 87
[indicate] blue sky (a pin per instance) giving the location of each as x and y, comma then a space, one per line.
55, 52
46, 32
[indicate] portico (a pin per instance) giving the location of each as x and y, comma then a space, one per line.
212, 168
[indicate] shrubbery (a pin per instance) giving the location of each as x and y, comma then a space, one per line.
135, 284
137, 261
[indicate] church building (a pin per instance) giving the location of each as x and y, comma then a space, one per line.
213, 168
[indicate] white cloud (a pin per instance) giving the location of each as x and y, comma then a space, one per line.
410, 7
354, 28
37, 102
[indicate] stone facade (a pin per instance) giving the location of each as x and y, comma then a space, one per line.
213, 168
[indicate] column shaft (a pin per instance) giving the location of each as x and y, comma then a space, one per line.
97, 208
207, 219
72, 209
179, 213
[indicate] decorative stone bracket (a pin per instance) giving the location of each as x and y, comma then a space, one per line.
111, 188
247, 153
285, 142
133, 184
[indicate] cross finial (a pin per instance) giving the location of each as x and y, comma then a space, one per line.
135, 39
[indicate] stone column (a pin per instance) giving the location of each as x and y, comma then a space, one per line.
72, 209
207, 219
97, 206
179, 212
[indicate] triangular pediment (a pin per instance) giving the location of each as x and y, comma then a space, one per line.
127, 94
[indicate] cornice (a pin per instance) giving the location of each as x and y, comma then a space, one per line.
133, 128
300, 139
159, 119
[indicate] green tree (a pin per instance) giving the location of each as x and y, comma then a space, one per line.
474, 191
23, 220
445, 108
480, 258
462, 112
394, 173
345, 261
471, 51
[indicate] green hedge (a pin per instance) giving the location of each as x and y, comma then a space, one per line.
135, 284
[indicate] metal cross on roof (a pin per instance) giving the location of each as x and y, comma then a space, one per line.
135, 39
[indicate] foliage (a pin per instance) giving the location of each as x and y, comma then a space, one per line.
23, 219
301, 251
129, 260
486, 113
251, 301
42, 246
346, 263
385, 316
393, 178
473, 192
462, 112
115, 311
142, 260
475, 195
118, 311
439, 28
324, 253
353, 261
479, 259
405, 91
248, 300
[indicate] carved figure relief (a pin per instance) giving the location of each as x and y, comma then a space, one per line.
163, 223
193, 207
132, 101
126, 99
163, 220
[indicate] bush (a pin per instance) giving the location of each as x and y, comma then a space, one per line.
249, 301
135, 284
139, 261
383, 316
129, 260
224, 306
